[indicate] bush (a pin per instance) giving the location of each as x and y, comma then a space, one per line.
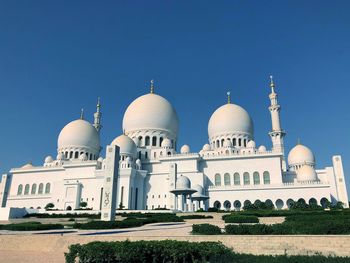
206, 229
83, 204
176, 251
213, 209
240, 219
49, 206
68, 215
30, 226
195, 217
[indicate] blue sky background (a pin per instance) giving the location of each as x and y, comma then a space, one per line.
59, 56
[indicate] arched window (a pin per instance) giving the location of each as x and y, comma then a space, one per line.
227, 180
234, 141
256, 178
26, 189
33, 192
154, 155
147, 141
41, 188
266, 176
222, 142
76, 155
217, 179
20, 189
66, 155
146, 155
154, 141
70, 155
47, 188
239, 142
279, 204
160, 141
217, 143
140, 140
246, 179
236, 179
227, 205
217, 204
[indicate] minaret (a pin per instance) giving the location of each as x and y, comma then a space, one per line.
97, 116
277, 134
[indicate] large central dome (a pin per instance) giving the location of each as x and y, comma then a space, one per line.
151, 112
228, 119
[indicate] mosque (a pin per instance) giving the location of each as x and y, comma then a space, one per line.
227, 173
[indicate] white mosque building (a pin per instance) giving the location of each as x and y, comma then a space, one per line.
230, 170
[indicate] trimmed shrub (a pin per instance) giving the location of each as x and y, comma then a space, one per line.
206, 229
195, 217
240, 219
68, 215
30, 226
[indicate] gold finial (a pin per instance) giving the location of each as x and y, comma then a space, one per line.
228, 97
82, 114
98, 106
152, 86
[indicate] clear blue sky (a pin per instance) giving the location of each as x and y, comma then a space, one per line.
59, 56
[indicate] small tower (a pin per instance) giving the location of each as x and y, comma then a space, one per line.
97, 116
277, 134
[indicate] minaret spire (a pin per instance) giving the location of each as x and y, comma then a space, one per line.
82, 114
277, 134
152, 86
97, 116
228, 97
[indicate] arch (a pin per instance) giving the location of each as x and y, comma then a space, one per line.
312, 202
66, 154
155, 155
301, 201
222, 142
154, 141
217, 204
290, 203
146, 155
26, 189
41, 188
257, 203
269, 204
90, 156
20, 189
227, 205
47, 188
245, 142
247, 203
140, 155
217, 143
227, 179
279, 204
239, 142
160, 141
234, 141
33, 192
140, 140
246, 178
236, 179
266, 177
147, 141
217, 179
324, 202
256, 178
71, 155
69, 208
237, 205
169, 153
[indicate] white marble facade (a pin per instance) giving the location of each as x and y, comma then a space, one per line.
229, 170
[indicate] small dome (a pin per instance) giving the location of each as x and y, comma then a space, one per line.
262, 149
27, 166
228, 119
60, 156
183, 183
151, 112
100, 159
199, 189
128, 159
301, 155
166, 143
251, 144
227, 144
79, 133
126, 145
306, 173
185, 149
83, 157
138, 163
206, 147
49, 159
136, 141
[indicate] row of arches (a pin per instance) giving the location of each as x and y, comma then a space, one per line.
278, 204
151, 141
235, 142
76, 154
34, 189
246, 179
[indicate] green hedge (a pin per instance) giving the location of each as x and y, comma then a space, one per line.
128, 222
176, 251
68, 215
240, 219
30, 226
206, 229
195, 217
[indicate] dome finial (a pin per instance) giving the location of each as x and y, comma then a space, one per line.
152, 86
228, 97
82, 114
272, 84
298, 141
